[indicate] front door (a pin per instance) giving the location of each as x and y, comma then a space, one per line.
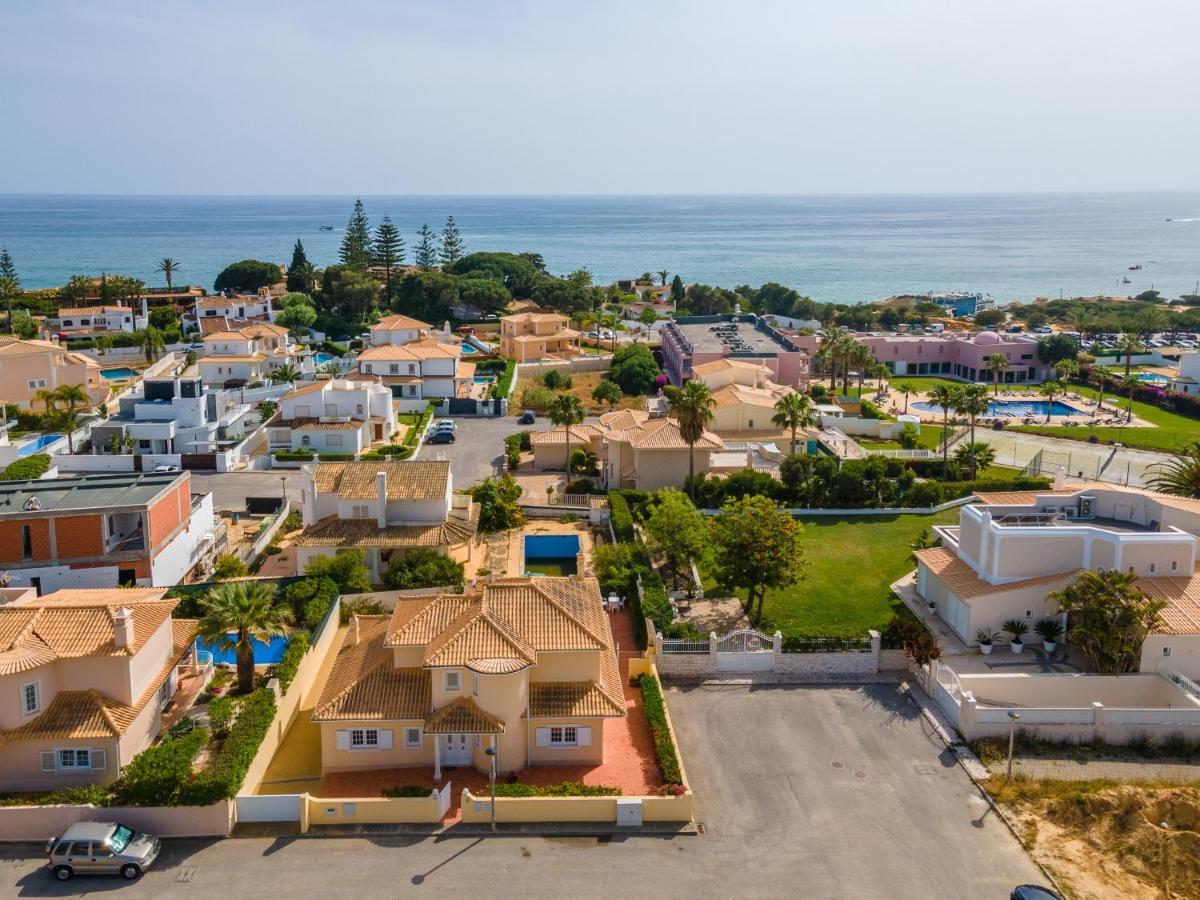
458, 750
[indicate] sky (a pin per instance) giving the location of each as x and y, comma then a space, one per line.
539, 97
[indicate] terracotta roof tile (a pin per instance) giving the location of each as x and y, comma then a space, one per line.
462, 716
579, 434
313, 424
397, 322
962, 581
664, 434
1181, 615
334, 532
571, 699
406, 479
364, 683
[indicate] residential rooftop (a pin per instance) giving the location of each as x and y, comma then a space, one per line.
92, 492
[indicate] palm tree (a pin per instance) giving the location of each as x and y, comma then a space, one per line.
151, 343
1128, 345
1099, 376
287, 372
794, 411
864, 360
997, 365
831, 350
168, 267
236, 612
1066, 369
1131, 384
566, 411
662, 275
1180, 476
48, 398
1051, 389
947, 397
978, 456
693, 407
73, 397
266, 410
973, 401
906, 388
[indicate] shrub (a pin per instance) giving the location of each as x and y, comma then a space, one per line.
634, 369
497, 499
294, 455
361, 606
224, 776
581, 486
158, 775
285, 669
656, 606
526, 441
556, 380
309, 599
664, 746
409, 790
563, 789
924, 493
537, 398
424, 567
504, 381
293, 522
512, 450
345, 568
94, 794
28, 467
229, 566
958, 489
333, 349
220, 713
336, 457
621, 518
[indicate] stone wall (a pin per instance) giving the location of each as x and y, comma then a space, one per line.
893, 661
785, 667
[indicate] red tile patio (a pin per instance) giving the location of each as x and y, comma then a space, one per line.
629, 761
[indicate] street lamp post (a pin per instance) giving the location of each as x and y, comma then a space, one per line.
491, 752
283, 489
1013, 716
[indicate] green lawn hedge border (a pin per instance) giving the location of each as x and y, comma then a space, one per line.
655, 708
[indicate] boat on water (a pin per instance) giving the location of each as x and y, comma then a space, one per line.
1124, 280
327, 228
1135, 268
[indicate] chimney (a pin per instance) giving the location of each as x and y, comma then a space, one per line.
381, 499
123, 627
354, 634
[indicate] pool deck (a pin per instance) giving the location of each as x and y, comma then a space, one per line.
546, 526
1108, 414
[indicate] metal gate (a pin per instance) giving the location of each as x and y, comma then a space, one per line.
744, 651
272, 808
201, 461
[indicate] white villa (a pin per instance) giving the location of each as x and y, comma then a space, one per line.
333, 416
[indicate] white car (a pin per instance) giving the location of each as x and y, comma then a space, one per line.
1043, 329
445, 425
166, 468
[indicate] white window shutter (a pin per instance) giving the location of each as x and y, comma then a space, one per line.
542, 736
385, 739
583, 736
48, 764
99, 759
343, 740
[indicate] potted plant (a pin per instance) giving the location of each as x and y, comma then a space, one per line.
986, 637
1018, 630
931, 606
1049, 630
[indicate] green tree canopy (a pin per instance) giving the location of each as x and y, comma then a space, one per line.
427, 249
299, 271
247, 276
1055, 347
356, 249
1109, 618
349, 292
388, 251
517, 273
677, 531
634, 369
345, 567
756, 547
452, 246
607, 392
424, 567
236, 612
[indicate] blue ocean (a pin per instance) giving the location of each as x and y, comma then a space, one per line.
833, 248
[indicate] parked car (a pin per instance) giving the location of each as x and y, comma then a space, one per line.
445, 425
166, 468
1033, 892
445, 436
1043, 329
527, 418
101, 848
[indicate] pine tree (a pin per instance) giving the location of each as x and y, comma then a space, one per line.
677, 292
388, 251
298, 270
426, 250
355, 251
9, 283
452, 245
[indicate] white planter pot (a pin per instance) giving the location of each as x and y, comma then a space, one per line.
931, 607
1016, 646
1049, 646
985, 649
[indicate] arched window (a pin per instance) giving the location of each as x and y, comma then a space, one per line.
305, 440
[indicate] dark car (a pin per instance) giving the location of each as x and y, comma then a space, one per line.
441, 437
527, 418
1033, 892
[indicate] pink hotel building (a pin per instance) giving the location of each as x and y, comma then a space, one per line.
960, 355
691, 341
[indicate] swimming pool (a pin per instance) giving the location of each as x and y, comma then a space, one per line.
1014, 408
551, 554
321, 358
484, 379
39, 443
1152, 377
122, 374
467, 349
265, 652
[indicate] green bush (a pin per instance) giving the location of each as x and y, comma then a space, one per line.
925, 493
94, 794
294, 455
556, 380
293, 522
563, 789
345, 567
504, 382
159, 775
285, 669
27, 467
220, 713
512, 450
664, 746
229, 566
956, 489
526, 440
333, 349
621, 518
309, 599
336, 457
656, 606
408, 790
224, 775
424, 567
537, 398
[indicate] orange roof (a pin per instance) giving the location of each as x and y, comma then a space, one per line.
341, 533
962, 581
580, 434
1181, 615
411, 479
396, 322
463, 716
720, 365
535, 317
623, 419
664, 434
364, 683
94, 311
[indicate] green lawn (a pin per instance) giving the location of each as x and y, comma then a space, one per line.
851, 563
930, 438
1172, 433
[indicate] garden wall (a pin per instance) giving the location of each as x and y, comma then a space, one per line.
375, 810
783, 666
40, 823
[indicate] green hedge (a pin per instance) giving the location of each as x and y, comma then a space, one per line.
28, 467
563, 789
336, 457
622, 518
333, 349
309, 599
294, 455
161, 775
224, 775
407, 790
504, 381
94, 794
512, 449
664, 746
285, 669
954, 489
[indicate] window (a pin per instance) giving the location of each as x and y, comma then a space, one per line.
26, 542
1152, 568
475, 685
412, 737
1174, 565
366, 368
333, 440
452, 682
394, 369
306, 440
164, 694
412, 368
563, 736
75, 758
412, 390
358, 408
364, 739
360, 512
31, 698
1166, 651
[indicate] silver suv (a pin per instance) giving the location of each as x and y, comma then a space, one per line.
101, 848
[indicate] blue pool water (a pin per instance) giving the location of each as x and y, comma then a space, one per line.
484, 379
41, 442
265, 652
117, 374
321, 358
1152, 377
551, 554
468, 349
1014, 408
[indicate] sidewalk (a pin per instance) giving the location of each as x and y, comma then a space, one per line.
1112, 769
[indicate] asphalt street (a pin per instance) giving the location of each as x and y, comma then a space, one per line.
478, 448
814, 792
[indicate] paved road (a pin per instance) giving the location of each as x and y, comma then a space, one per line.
479, 448
780, 820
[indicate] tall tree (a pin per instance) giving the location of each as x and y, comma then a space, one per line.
756, 547
693, 406
793, 412
662, 275
678, 531
388, 252
997, 365
168, 267
300, 271
237, 612
1099, 376
973, 402
1180, 476
10, 285
452, 245
1051, 389
566, 412
355, 251
426, 250
74, 398
677, 290
152, 343
945, 396
1127, 346
1110, 618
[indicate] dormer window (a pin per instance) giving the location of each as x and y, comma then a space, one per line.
452, 681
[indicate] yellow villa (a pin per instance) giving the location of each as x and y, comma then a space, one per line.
530, 336
27, 367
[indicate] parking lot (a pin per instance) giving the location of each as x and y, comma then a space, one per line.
478, 447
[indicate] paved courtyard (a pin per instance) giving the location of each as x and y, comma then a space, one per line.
477, 450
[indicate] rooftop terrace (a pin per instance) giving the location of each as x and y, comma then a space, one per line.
712, 334
92, 492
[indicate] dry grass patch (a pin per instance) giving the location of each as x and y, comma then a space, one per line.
582, 385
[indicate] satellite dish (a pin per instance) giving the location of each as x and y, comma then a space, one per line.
32, 504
